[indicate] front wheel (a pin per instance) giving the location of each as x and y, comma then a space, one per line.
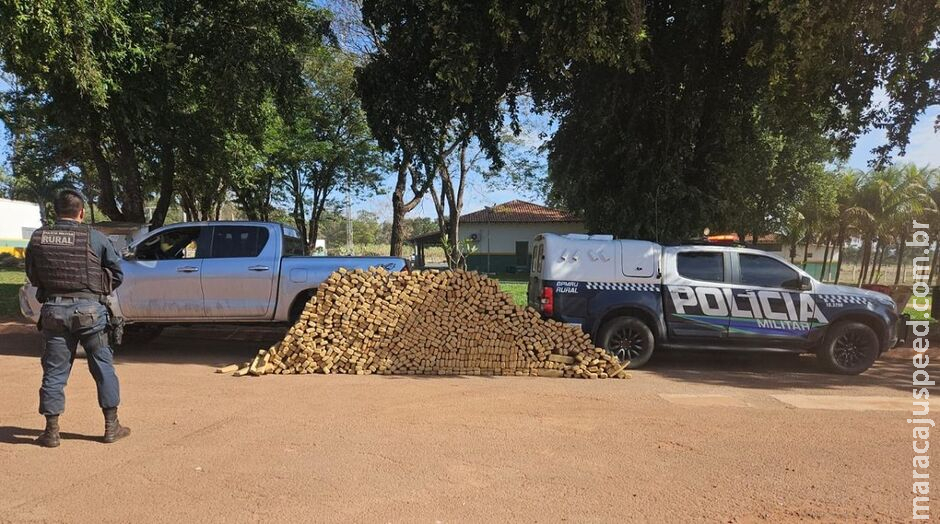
629, 339
849, 349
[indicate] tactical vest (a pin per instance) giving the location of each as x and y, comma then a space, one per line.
64, 262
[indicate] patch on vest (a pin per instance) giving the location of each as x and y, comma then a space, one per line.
57, 238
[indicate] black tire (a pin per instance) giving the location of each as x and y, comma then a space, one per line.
628, 339
140, 334
850, 348
297, 308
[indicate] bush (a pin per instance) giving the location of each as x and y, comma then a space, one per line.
8, 261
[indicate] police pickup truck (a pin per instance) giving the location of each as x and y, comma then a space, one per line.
635, 296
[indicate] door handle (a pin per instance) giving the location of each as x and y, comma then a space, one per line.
258, 268
187, 269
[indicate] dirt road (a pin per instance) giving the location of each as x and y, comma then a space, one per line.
725, 437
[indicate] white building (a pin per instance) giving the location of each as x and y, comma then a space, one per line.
18, 220
502, 235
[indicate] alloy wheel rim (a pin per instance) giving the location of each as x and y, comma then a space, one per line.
850, 349
626, 344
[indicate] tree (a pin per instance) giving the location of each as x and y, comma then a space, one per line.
658, 102
327, 144
150, 92
882, 209
6, 183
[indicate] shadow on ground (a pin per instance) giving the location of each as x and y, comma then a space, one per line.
763, 370
15, 435
222, 345
207, 345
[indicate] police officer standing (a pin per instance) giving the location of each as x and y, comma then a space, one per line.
74, 269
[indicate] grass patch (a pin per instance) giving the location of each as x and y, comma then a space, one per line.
516, 289
919, 315
10, 282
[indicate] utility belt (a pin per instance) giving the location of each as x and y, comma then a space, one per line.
115, 323
59, 298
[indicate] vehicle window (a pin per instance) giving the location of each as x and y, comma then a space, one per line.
175, 244
238, 241
761, 271
706, 266
293, 245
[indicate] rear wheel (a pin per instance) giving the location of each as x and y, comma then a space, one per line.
849, 349
297, 308
629, 339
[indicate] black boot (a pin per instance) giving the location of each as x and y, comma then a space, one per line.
113, 430
50, 437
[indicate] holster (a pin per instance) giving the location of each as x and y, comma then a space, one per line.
115, 325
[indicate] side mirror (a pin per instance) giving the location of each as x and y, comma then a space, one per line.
806, 284
128, 254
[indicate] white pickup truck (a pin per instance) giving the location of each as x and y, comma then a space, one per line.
217, 272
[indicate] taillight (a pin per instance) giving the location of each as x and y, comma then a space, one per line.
548, 301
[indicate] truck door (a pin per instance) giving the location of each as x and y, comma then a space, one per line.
239, 275
770, 308
163, 277
693, 295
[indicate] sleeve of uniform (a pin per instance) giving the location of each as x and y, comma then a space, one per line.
30, 272
110, 259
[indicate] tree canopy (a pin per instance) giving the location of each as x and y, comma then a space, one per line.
146, 94
662, 105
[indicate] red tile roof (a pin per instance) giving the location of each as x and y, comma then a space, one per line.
518, 211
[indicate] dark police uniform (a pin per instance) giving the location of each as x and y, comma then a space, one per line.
73, 267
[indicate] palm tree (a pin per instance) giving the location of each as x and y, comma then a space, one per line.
920, 205
883, 206
851, 216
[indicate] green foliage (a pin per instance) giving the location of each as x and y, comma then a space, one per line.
151, 95
326, 142
456, 252
10, 282
671, 114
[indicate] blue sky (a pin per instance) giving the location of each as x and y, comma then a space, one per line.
924, 149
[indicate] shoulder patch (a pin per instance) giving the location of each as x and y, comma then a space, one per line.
57, 238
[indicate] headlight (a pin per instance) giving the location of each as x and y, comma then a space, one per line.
887, 302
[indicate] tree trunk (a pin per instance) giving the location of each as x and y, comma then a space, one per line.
106, 201
398, 225
167, 175
933, 263
840, 241
316, 211
450, 203
825, 260
874, 274
129, 171
401, 207
805, 252
297, 193
897, 270
866, 256
873, 266
881, 258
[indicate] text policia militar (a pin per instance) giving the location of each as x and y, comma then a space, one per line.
920, 328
